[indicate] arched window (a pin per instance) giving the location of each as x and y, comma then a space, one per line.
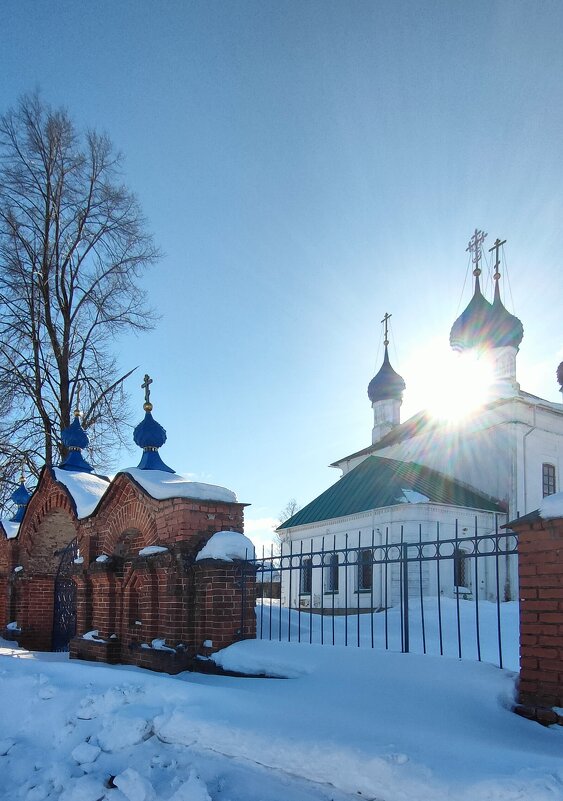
548, 479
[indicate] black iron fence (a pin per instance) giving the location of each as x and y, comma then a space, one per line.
398, 589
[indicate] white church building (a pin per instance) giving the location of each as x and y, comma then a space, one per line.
429, 479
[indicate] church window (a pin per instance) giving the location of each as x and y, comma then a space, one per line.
365, 569
548, 479
306, 580
331, 573
462, 568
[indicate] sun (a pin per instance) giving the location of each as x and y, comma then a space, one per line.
449, 386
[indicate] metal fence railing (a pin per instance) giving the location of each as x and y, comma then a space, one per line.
398, 589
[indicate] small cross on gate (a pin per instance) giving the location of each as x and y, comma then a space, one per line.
385, 321
146, 386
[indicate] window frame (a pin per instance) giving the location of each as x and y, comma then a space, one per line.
364, 570
306, 576
549, 479
332, 577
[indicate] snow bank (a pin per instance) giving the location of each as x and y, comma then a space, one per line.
552, 506
351, 723
86, 489
161, 485
227, 545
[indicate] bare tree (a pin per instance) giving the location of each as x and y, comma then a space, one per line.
73, 243
281, 537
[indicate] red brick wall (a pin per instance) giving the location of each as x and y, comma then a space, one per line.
540, 567
35, 612
130, 599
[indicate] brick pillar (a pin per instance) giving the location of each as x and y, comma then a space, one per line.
4, 603
105, 595
540, 569
224, 606
83, 603
35, 612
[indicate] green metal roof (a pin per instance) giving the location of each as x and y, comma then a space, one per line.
377, 482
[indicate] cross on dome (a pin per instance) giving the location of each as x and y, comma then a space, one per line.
77, 411
496, 247
146, 386
386, 384
474, 247
150, 435
485, 325
386, 318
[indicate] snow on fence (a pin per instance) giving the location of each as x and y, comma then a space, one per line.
451, 596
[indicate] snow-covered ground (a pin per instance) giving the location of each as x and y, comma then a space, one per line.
346, 723
383, 630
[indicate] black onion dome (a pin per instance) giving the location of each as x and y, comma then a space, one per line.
559, 374
505, 328
387, 384
472, 327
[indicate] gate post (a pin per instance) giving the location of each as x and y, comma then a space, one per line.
540, 571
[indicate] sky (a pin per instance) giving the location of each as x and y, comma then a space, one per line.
306, 167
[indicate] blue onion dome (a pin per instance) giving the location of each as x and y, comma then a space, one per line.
472, 327
505, 329
387, 384
21, 498
150, 435
75, 438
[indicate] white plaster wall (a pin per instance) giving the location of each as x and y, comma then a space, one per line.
499, 452
428, 521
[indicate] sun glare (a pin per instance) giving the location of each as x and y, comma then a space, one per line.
449, 386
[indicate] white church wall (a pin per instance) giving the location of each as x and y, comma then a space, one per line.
540, 445
407, 522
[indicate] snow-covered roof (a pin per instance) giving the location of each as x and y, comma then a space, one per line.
552, 506
227, 545
10, 528
86, 489
160, 486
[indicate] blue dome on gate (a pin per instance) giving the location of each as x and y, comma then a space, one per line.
20, 497
75, 438
150, 436
149, 433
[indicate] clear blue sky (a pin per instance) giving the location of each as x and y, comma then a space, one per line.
306, 167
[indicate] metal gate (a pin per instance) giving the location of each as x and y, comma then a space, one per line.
64, 613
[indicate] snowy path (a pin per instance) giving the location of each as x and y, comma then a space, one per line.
347, 724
